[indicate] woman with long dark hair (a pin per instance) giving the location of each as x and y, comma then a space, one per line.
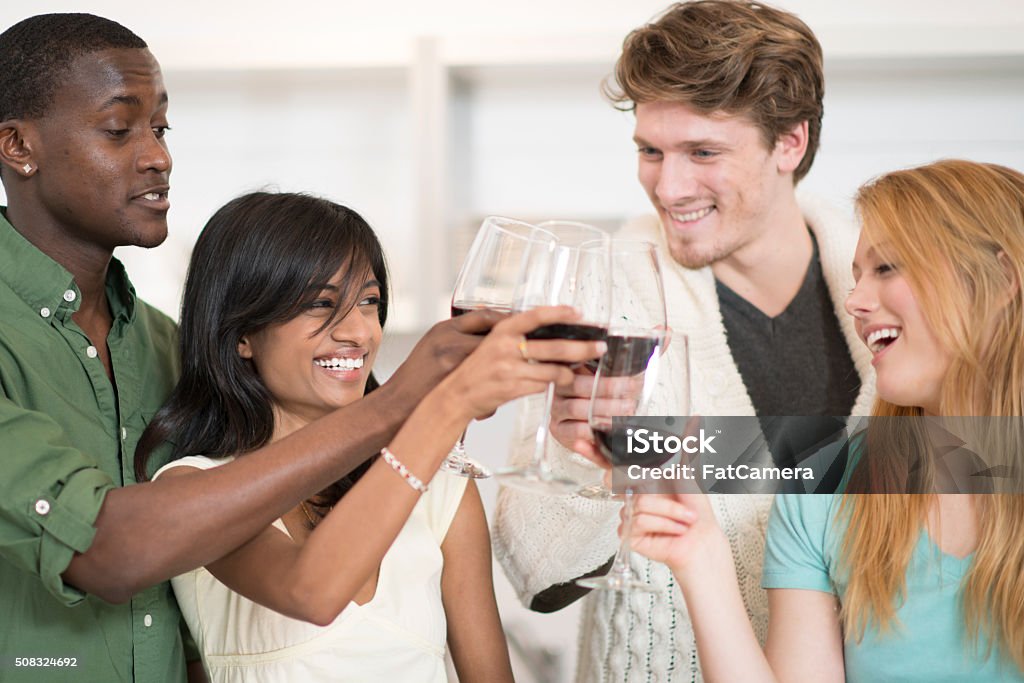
282, 317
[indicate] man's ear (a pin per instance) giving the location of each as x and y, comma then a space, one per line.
15, 147
791, 147
245, 348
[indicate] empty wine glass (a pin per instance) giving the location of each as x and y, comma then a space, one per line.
488, 279
574, 271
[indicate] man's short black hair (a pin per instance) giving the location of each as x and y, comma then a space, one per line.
37, 52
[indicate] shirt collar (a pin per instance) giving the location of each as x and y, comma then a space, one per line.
44, 284
120, 292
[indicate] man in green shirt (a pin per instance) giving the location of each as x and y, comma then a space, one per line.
84, 365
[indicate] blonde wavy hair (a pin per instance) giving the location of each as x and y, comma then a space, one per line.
955, 229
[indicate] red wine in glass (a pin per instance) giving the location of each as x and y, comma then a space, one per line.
573, 331
463, 308
613, 441
626, 356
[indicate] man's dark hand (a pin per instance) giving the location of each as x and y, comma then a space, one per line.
440, 351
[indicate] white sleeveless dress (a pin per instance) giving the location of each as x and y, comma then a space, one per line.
399, 635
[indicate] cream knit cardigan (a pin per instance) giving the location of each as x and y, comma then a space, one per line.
543, 540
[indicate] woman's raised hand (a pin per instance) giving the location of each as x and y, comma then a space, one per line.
507, 365
678, 529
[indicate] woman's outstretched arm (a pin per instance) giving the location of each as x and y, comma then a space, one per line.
315, 580
150, 532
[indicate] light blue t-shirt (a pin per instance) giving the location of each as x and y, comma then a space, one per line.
929, 642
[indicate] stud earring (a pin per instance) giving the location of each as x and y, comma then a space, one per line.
27, 168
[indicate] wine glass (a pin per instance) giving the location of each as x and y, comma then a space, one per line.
637, 324
626, 381
488, 279
574, 271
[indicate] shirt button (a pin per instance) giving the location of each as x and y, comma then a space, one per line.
45, 312
147, 620
42, 507
91, 352
69, 295
124, 433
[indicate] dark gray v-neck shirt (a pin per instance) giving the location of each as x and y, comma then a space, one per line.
796, 363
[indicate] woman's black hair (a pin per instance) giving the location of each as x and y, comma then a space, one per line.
259, 260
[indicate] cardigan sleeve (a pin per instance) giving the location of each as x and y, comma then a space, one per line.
542, 540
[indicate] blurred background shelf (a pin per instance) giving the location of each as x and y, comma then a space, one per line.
427, 149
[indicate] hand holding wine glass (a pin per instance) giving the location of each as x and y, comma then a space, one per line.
678, 529
487, 280
506, 366
441, 349
570, 427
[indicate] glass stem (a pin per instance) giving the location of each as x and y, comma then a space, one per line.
459, 449
540, 454
620, 567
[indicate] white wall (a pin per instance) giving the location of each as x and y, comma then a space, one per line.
246, 33
494, 108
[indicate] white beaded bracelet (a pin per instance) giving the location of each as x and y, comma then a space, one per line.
402, 470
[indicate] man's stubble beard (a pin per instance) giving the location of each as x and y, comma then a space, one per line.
692, 258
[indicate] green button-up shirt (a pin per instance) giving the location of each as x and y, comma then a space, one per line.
67, 437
